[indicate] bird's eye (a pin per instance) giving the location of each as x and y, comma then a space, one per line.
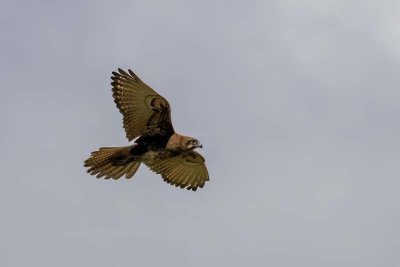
191, 142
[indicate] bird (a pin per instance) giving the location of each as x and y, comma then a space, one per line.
147, 122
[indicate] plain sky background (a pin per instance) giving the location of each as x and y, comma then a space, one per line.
297, 104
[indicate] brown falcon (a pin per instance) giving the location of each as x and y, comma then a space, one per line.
147, 121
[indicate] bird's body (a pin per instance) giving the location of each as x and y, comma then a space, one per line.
147, 121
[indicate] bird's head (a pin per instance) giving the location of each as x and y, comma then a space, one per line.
182, 143
192, 143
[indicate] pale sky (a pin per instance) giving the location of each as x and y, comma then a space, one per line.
296, 103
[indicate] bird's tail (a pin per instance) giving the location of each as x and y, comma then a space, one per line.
112, 162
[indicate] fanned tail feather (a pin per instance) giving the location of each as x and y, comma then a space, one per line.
112, 162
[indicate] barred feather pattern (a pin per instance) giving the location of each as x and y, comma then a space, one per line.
112, 162
137, 102
186, 170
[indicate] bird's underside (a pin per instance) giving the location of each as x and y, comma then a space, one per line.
147, 121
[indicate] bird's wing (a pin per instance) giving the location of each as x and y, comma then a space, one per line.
186, 170
144, 111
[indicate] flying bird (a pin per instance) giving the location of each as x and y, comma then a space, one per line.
147, 121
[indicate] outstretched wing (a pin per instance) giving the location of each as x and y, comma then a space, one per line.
186, 170
144, 111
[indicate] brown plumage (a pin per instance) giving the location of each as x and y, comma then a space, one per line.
147, 119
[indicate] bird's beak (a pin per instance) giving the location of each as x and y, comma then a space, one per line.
199, 145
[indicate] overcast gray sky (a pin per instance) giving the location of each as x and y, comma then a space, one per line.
297, 104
